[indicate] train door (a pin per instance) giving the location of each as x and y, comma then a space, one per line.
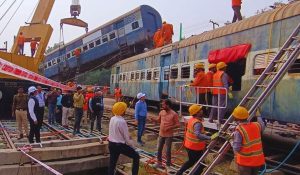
165, 61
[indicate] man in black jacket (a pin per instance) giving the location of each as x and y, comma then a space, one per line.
67, 103
96, 106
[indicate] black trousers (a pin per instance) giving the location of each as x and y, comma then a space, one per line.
58, 114
98, 117
35, 130
202, 101
115, 149
237, 13
194, 156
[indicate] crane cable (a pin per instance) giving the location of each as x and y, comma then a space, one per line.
2, 3
11, 17
7, 10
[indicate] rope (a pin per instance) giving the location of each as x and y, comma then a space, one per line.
2, 3
7, 10
11, 17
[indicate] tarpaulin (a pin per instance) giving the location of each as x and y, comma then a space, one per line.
229, 54
24, 74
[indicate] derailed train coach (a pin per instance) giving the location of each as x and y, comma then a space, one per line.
161, 71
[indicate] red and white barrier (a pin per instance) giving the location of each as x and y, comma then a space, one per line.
22, 73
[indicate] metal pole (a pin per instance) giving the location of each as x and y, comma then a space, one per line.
180, 32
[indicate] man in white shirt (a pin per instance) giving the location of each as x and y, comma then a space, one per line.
35, 119
119, 140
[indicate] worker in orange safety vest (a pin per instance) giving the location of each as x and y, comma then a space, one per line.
21, 42
209, 78
167, 32
246, 143
118, 94
236, 6
220, 81
33, 45
158, 39
194, 140
200, 82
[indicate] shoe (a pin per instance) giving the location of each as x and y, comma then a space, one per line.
78, 132
140, 143
21, 137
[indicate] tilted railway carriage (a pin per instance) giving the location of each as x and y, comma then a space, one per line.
124, 36
161, 71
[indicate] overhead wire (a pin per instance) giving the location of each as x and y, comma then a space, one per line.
2, 3
7, 10
11, 17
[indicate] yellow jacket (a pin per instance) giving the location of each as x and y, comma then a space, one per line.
78, 100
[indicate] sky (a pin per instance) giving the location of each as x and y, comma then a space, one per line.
193, 14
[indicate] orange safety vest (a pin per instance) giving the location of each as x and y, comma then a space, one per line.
251, 153
200, 80
191, 141
118, 92
158, 39
87, 97
217, 82
209, 78
236, 2
167, 30
21, 40
33, 44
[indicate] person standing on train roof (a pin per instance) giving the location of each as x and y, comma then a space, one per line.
209, 78
158, 39
21, 42
169, 121
220, 80
140, 116
167, 32
236, 6
200, 82
33, 45
118, 94
35, 120
194, 140
119, 140
19, 110
78, 99
247, 144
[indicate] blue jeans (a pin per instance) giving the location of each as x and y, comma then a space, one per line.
141, 128
78, 117
51, 113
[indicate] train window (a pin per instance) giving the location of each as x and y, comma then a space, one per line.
68, 55
98, 42
91, 45
132, 76
85, 48
155, 74
120, 77
58, 60
137, 75
104, 39
135, 25
112, 78
73, 53
174, 72
143, 75
295, 68
261, 61
121, 32
185, 71
54, 62
149, 74
124, 77
49, 64
112, 36
166, 74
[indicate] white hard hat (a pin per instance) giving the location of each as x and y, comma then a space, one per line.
140, 95
31, 89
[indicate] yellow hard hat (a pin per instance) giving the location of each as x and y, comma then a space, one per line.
240, 113
221, 65
194, 109
119, 108
199, 66
211, 66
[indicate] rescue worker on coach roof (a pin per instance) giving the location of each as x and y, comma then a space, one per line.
33, 45
119, 140
220, 80
158, 39
200, 81
247, 144
19, 110
194, 139
209, 78
21, 42
167, 32
236, 6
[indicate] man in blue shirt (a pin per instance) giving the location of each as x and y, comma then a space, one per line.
140, 116
96, 107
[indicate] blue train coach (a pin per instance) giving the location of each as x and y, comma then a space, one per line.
124, 36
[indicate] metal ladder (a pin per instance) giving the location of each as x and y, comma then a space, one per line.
260, 90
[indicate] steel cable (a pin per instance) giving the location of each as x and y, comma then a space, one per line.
7, 10
2, 3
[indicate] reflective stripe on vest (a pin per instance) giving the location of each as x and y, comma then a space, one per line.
217, 82
191, 141
251, 153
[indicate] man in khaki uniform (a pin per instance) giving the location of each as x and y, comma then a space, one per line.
19, 110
